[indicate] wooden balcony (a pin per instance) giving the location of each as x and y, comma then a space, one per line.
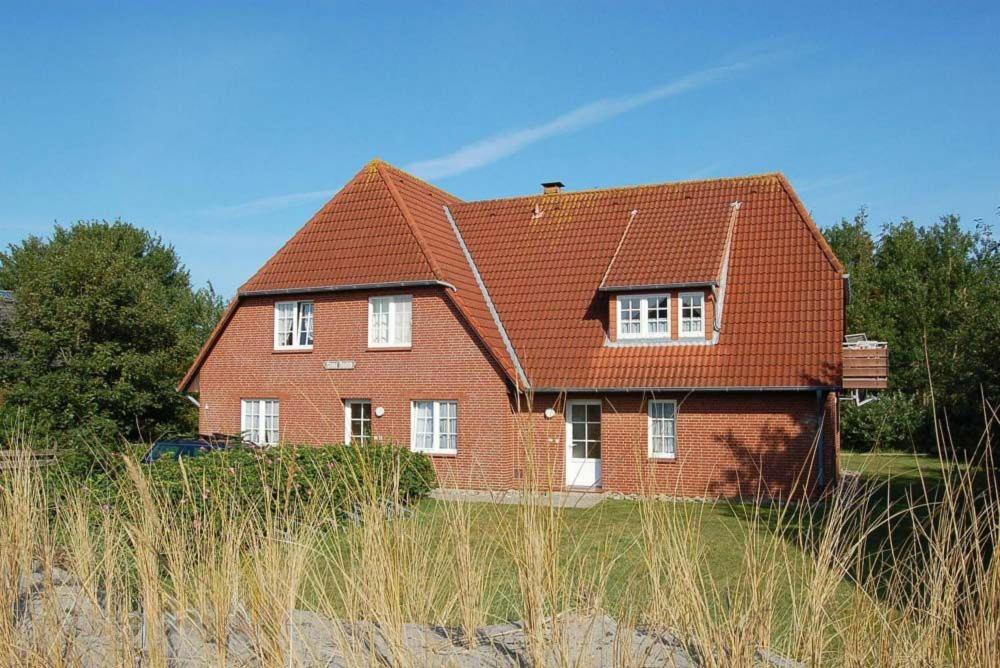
866, 363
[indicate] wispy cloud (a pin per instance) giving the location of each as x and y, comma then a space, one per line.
491, 149
267, 204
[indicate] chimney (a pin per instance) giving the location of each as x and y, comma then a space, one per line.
552, 187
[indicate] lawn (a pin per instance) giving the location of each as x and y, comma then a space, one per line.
606, 540
891, 465
603, 562
603, 548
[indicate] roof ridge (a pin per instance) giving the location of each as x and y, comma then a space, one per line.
811, 225
749, 177
377, 163
734, 212
618, 248
410, 221
491, 307
299, 231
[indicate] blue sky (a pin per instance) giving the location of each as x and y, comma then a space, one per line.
224, 128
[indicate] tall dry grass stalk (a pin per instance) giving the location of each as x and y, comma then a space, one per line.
470, 562
867, 577
532, 540
23, 527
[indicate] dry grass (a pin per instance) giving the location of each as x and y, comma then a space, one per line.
869, 578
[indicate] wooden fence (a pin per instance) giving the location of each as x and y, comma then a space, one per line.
12, 459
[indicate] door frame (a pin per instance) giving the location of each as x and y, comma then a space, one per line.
569, 442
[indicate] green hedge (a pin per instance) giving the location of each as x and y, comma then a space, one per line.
893, 422
286, 479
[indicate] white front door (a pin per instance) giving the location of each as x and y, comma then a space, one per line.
583, 443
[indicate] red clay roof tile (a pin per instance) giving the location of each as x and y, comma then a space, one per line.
360, 236
543, 260
784, 290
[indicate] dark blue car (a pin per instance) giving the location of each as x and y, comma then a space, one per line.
190, 447
177, 448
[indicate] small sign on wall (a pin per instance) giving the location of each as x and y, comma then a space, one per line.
338, 365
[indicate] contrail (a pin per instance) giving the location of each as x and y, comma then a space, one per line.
491, 149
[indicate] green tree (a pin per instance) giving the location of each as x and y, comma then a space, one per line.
856, 247
105, 324
933, 294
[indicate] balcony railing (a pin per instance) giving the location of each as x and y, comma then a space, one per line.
866, 363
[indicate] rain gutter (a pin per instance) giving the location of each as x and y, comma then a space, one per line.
353, 286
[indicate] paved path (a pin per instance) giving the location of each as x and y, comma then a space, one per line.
580, 500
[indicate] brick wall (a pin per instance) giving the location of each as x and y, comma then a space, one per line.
444, 362
724, 442
724, 439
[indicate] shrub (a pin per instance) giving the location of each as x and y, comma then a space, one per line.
893, 422
286, 478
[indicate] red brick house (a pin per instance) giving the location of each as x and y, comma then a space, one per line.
682, 338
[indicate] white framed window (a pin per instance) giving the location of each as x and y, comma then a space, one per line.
390, 321
259, 422
643, 316
584, 429
692, 314
434, 426
357, 421
662, 429
293, 325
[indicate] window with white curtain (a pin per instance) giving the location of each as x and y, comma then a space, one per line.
692, 314
643, 316
390, 321
293, 325
663, 429
434, 426
259, 421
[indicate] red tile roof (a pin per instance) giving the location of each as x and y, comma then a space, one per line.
360, 236
782, 317
677, 235
384, 227
545, 259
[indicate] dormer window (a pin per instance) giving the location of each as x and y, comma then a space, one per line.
644, 316
293, 325
692, 314
390, 321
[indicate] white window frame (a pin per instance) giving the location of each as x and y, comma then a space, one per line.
348, 417
700, 333
247, 430
435, 448
569, 427
297, 326
644, 332
649, 429
391, 341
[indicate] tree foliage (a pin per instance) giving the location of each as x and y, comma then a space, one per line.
105, 323
934, 294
